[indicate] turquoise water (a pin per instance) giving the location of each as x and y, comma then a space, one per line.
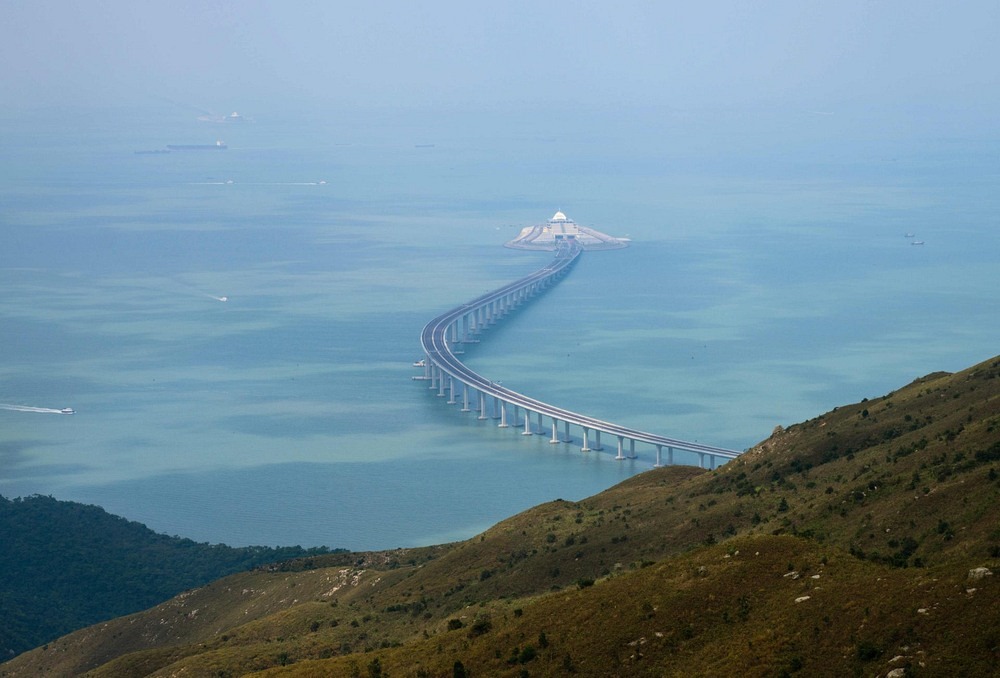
769, 281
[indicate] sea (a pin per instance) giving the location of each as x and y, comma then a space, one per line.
236, 329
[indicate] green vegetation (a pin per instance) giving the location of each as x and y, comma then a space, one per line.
65, 565
857, 543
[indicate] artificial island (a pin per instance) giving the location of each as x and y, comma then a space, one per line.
560, 229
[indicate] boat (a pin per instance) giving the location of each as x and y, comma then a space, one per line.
917, 242
217, 146
419, 363
67, 410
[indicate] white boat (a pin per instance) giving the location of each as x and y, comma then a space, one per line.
67, 410
917, 242
419, 363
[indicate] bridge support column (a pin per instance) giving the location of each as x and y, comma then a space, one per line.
465, 398
496, 407
427, 367
441, 376
670, 456
540, 431
621, 441
555, 432
597, 441
701, 460
527, 424
503, 415
455, 342
586, 435
566, 436
482, 406
451, 390
659, 449
631, 449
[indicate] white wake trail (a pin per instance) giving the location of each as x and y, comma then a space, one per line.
27, 408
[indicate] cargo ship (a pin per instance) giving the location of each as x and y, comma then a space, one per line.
217, 146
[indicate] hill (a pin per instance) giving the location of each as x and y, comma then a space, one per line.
66, 565
861, 542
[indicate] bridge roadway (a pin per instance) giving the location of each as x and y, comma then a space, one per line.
441, 363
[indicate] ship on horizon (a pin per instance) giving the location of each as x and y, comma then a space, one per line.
217, 146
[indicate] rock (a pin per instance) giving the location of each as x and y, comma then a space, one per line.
896, 673
802, 599
980, 572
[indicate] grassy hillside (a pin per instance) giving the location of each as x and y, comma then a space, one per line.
65, 565
839, 546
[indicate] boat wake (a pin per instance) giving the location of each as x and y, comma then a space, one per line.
42, 410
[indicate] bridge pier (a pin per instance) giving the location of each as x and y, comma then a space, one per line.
631, 449
465, 398
555, 432
451, 390
659, 449
441, 376
503, 415
566, 436
540, 431
597, 440
586, 435
621, 441
482, 406
527, 424
455, 341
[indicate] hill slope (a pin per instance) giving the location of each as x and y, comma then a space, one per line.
66, 565
851, 543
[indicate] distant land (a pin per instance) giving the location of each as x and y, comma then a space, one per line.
864, 541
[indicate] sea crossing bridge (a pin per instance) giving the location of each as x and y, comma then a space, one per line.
451, 377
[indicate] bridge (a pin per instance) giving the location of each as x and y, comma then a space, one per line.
442, 340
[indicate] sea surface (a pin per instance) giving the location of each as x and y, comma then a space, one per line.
774, 273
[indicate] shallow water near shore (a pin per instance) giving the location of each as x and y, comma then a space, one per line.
760, 289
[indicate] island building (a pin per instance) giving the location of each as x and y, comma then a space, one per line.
559, 229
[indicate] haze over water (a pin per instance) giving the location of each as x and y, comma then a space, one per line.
770, 279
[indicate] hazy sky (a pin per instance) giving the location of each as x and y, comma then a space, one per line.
466, 54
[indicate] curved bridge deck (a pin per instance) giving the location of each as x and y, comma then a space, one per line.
450, 376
